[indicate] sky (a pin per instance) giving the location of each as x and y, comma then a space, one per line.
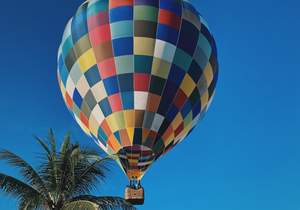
243, 155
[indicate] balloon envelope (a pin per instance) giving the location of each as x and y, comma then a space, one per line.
137, 75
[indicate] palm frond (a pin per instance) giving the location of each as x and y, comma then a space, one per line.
75, 155
48, 172
52, 141
32, 203
99, 164
48, 168
66, 144
65, 170
59, 174
89, 174
81, 171
43, 145
27, 171
91, 153
63, 175
16, 187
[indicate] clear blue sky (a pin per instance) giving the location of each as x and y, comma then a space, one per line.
244, 155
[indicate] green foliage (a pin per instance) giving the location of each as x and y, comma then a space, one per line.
63, 179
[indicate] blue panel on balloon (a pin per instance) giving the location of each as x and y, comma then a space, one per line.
77, 98
111, 85
186, 109
121, 13
79, 24
63, 71
176, 75
128, 100
146, 2
101, 134
92, 76
195, 71
105, 107
196, 109
171, 5
123, 46
117, 135
172, 112
67, 46
188, 37
125, 82
167, 97
208, 36
167, 33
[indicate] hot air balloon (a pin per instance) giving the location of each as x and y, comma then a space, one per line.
137, 76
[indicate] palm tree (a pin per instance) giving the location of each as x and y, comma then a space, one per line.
63, 180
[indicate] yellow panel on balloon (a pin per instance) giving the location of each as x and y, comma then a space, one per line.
87, 60
116, 121
62, 88
188, 119
129, 118
186, 129
209, 74
130, 132
119, 116
204, 100
177, 121
160, 68
94, 125
144, 46
168, 136
188, 85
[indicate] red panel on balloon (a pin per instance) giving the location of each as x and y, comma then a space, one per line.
141, 82
169, 18
100, 35
180, 99
69, 101
115, 102
105, 128
107, 68
84, 119
98, 20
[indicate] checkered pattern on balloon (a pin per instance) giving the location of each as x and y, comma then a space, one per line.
137, 75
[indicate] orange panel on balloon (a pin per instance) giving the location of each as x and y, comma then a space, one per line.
120, 3
124, 138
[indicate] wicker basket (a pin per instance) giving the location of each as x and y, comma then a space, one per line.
134, 196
